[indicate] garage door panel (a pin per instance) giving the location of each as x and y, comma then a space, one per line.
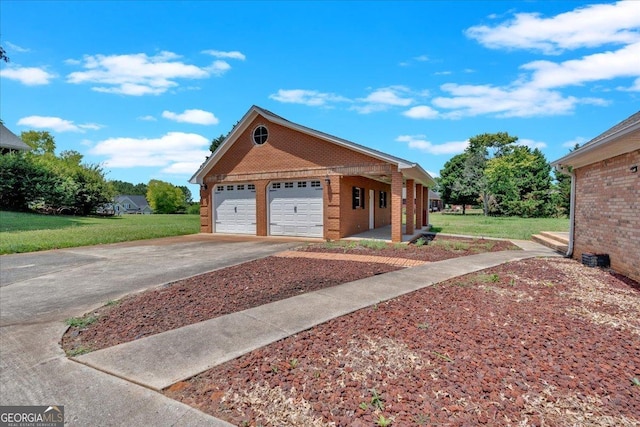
296, 210
234, 209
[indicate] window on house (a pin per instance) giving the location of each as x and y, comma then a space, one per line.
302, 184
229, 187
251, 186
260, 135
383, 199
358, 198
220, 188
241, 187
315, 184
288, 185
275, 185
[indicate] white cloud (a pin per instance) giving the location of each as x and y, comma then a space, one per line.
138, 74
600, 66
510, 101
148, 118
590, 26
219, 67
537, 91
30, 76
311, 98
419, 142
421, 58
229, 55
198, 117
175, 152
56, 124
16, 48
421, 112
384, 98
531, 143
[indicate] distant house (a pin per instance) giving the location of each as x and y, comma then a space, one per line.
435, 201
9, 142
131, 204
605, 196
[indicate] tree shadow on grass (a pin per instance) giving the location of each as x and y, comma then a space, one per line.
35, 222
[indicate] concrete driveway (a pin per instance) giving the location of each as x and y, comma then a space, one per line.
38, 291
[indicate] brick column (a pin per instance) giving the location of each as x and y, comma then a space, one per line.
411, 206
205, 209
419, 206
427, 203
396, 207
262, 228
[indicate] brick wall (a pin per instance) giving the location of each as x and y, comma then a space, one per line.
287, 150
607, 212
353, 221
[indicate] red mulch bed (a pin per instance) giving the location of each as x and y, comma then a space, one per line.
244, 286
540, 342
210, 295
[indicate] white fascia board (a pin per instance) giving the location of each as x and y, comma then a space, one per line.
254, 111
198, 177
583, 155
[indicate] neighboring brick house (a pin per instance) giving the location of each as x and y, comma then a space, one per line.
605, 205
271, 176
10, 143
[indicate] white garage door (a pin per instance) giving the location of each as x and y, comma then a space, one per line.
295, 209
235, 208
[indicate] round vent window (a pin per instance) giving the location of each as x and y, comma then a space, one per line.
260, 135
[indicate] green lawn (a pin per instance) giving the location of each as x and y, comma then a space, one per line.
22, 232
503, 227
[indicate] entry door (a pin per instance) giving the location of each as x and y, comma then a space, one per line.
235, 208
295, 209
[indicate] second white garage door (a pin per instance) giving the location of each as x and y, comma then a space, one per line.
295, 209
235, 208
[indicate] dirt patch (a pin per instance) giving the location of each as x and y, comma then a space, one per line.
542, 342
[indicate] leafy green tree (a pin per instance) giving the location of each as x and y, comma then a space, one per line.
481, 149
3, 55
188, 197
123, 187
454, 186
41, 142
215, 142
165, 198
40, 180
520, 182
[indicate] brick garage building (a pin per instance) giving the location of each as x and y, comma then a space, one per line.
271, 176
605, 205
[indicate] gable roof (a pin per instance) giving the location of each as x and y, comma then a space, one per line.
606, 145
409, 169
9, 140
138, 200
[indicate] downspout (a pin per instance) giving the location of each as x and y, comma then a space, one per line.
572, 207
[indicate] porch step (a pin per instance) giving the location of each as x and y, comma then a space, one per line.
557, 241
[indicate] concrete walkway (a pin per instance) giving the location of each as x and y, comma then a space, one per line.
163, 359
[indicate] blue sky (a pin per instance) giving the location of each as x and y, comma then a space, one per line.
142, 87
